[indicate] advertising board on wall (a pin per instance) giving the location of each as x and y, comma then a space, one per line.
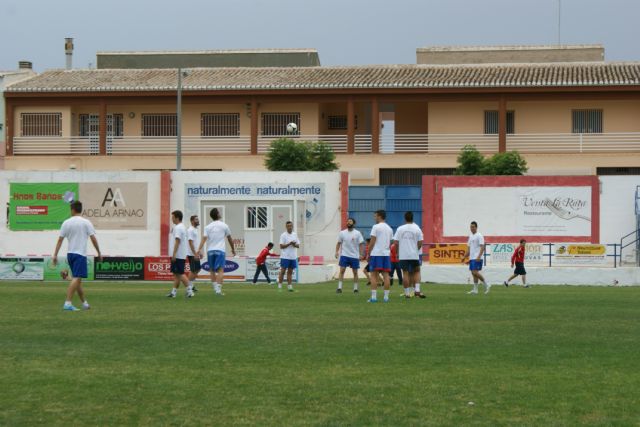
109, 206
52, 272
553, 211
273, 267
21, 268
120, 268
580, 254
501, 253
447, 253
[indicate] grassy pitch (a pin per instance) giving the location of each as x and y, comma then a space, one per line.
540, 356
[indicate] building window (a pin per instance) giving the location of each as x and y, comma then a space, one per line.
159, 125
340, 122
220, 124
41, 124
257, 218
275, 124
586, 121
491, 122
89, 125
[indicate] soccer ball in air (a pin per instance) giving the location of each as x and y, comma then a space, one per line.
292, 128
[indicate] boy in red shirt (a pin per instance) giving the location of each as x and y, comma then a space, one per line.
517, 259
261, 265
395, 264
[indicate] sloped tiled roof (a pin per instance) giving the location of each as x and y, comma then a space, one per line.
352, 77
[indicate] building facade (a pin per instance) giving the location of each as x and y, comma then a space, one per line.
388, 124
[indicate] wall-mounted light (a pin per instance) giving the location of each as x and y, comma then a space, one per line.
132, 115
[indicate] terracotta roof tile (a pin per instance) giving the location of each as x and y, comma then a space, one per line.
383, 76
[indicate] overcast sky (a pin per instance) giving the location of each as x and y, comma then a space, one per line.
344, 31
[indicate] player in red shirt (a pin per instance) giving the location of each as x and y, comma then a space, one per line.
261, 265
517, 259
395, 264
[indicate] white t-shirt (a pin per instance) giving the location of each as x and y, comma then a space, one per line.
350, 243
194, 236
476, 242
77, 230
179, 232
216, 233
383, 234
290, 252
408, 236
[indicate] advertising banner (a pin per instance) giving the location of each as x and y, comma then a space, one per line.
580, 254
501, 253
158, 268
447, 253
554, 211
116, 205
21, 268
52, 272
235, 270
40, 206
120, 268
273, 267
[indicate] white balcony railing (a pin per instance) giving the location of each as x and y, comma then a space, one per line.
574, 142
396, 144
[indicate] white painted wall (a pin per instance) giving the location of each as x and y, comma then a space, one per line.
319, 240
112, 242
617, 211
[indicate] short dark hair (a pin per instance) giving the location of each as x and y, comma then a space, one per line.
523, 241
214, 214
381, 213
177, 214
76, 206
193, 217
474, 223
352, 219
270, 244
288, 222
408, 216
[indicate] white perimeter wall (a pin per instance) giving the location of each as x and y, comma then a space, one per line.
321, 242
617, 214
112, 242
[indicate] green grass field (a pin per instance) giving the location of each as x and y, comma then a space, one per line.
540, 356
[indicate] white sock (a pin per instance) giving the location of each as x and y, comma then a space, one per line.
189, 284
279, 285
407, 291
340, 284
411, 290
67, 303
289, 286
218, 288
418, 287
190, 287
174, 291
386, 294
374, 294
355, 285
475, 287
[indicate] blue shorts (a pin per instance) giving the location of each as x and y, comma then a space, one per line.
379, 263
475, 265
346, 261
177, 266
78, 265
288, 263
216, 260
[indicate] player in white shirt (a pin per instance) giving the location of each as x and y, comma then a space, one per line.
179, 255
349, 251
289, 244
475, 250
193, 256
379, 255
409, 237
76, 230
216, 236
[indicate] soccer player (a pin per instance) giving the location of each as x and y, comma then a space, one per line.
349, 252
517, 259
409, 239
366, 270
215, 234
379, 255
76, 230
179, 255
475, 250
261, 263
395, 264
289, 244
192, 253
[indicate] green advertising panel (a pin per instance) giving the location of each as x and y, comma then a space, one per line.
52, 272
40, 206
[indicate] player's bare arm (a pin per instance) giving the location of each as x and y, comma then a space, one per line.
175, 248
233, 247
55, 253
94, 241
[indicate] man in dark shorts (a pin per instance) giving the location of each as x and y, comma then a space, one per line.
193, 256
517, 259
179, 255
409, 239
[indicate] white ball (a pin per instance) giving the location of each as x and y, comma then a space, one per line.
292, 128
